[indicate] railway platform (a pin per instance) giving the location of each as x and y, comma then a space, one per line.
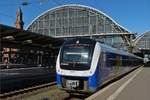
134, 86
13, 79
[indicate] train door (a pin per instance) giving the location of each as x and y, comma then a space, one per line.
104, 70
117, 64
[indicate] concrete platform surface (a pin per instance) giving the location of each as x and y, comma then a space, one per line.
134, 86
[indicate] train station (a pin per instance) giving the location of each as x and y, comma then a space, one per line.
73, 52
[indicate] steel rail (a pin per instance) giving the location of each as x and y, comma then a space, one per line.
21, 91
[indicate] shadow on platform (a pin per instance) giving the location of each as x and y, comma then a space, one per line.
147, 64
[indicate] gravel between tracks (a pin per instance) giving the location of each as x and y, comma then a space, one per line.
53, 94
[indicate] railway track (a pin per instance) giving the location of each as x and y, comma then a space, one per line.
27, 91
76, 97
41, 92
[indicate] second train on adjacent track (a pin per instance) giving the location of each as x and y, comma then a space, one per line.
84, 65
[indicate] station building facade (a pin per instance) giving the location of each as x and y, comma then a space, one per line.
143, 44
74, 20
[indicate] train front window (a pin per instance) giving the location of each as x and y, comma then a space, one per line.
79, 55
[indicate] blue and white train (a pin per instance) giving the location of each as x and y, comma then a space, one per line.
84, 65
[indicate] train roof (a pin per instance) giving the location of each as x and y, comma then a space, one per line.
80, 40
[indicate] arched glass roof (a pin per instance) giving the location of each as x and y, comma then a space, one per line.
74, 20
143, 41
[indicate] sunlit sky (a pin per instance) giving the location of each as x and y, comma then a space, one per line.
134, 15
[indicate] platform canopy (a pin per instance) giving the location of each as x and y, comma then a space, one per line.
12, 37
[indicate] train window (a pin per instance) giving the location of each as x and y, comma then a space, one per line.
76, 55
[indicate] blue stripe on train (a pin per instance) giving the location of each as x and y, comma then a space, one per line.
58, 78
94, 80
